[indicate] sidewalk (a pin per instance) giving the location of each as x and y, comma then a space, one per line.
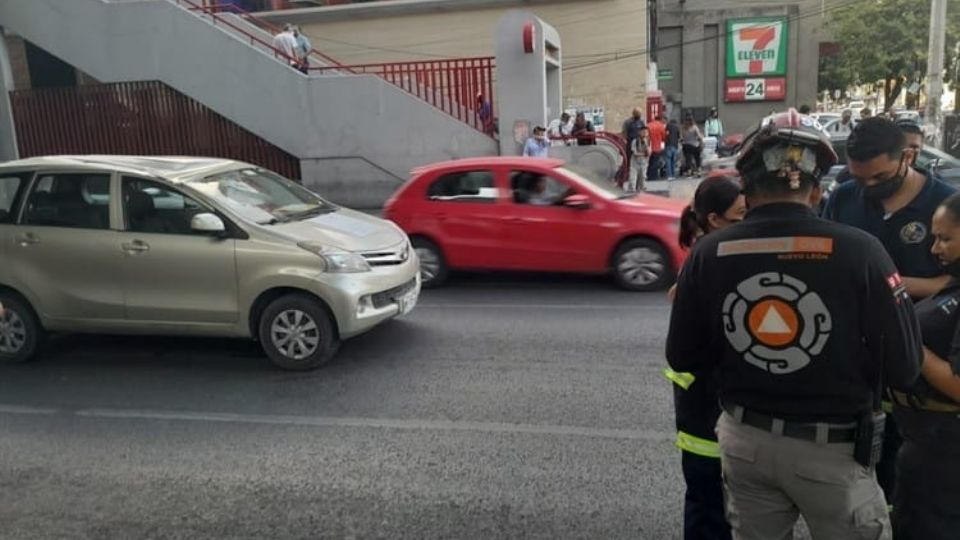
681, 188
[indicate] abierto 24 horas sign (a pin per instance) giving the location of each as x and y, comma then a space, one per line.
756, 59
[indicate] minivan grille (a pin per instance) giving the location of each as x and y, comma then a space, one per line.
388, 257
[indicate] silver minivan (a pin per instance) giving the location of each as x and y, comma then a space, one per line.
191, 246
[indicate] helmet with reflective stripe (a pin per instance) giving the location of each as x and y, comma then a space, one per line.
785, 143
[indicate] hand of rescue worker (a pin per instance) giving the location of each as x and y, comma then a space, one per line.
920, 288
671, 295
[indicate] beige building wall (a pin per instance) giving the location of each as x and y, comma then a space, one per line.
591, 31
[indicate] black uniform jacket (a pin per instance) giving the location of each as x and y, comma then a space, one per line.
796, 315
939, 316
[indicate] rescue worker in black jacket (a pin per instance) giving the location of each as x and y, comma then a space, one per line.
927, 499
800, 318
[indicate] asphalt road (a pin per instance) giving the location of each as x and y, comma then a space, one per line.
502, 407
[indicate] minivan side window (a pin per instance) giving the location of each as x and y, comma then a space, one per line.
76, 201
466, 186
10, 187
154, 207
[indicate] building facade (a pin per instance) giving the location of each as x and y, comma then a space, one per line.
744, 57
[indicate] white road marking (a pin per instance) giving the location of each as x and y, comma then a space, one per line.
353, 422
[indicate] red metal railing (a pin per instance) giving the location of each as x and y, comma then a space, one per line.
215, 12
461, 87
135, 118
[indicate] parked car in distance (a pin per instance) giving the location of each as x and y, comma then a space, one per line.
507, 213
191, 246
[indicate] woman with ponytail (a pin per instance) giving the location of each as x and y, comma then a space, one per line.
716, 204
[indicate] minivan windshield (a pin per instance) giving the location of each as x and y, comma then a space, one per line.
261, 196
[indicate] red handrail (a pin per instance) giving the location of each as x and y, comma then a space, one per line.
461, 87
213, 10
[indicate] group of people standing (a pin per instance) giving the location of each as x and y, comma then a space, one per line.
295, 46
787, 331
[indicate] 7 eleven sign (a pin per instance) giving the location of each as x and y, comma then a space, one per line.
757, 47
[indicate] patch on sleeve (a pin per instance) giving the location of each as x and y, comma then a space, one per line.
897, 286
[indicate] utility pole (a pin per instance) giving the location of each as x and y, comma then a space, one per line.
938, 29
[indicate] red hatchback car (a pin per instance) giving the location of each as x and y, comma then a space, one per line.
510, 213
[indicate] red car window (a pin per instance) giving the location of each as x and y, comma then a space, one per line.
538, 189
464, 186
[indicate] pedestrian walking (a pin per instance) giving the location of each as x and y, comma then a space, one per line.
583, 131
672, 147
717, 203
560, 129
485, 115
713, 127
641, 152
692, 146
286, 44
658, 135
537, 145
304, 47
895, 203
631, 130
928, 463
799, 352
844, 126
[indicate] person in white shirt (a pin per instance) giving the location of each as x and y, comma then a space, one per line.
560, 127
286, 43
713, 127
844, 126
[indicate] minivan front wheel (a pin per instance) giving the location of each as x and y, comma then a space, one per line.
297, 333
20, 333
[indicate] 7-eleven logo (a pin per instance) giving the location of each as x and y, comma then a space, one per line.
756, 47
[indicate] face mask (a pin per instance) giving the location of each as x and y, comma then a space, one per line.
952, 268
886, 189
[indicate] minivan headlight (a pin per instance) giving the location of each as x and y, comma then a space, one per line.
336, 261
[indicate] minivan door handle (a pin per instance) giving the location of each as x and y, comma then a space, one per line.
28, 239
136, 247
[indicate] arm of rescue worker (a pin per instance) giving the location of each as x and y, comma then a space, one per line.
924, 287
940, 375
688, 337
892, 331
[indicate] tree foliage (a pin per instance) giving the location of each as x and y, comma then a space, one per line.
884, 42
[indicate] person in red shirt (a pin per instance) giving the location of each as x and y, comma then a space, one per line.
658, 135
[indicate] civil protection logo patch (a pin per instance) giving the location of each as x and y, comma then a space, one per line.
776, 322
913, 233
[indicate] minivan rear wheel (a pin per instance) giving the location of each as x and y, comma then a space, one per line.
20, 333
297, 333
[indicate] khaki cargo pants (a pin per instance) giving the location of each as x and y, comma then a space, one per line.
770, 480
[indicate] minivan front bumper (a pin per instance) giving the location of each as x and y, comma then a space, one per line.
363, 300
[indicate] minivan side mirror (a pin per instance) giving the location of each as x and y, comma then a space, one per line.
577, 202
207, 223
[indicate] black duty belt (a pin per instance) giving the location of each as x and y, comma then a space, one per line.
818, 432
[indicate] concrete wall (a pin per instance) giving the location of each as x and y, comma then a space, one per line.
699, 72
8, 136
358, 136
425, 29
